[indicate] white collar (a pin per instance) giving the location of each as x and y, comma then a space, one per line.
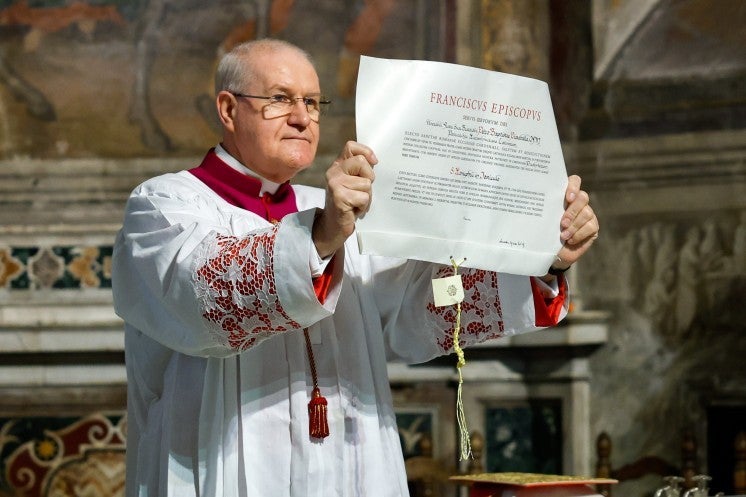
267, 185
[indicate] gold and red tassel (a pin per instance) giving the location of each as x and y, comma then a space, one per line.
318, 426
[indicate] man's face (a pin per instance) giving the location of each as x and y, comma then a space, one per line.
277, 148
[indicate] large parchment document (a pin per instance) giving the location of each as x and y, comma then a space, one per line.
470, 166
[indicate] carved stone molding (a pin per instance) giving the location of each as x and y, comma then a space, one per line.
45, 202
668, 173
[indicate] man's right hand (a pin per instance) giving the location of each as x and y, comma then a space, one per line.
349, 182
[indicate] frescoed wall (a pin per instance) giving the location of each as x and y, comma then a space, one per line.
134, 78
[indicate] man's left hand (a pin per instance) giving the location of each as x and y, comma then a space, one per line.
579, 225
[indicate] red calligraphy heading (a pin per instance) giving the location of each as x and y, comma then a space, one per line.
484, 106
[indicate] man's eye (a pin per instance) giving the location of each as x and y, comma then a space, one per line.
311, 101
280, 99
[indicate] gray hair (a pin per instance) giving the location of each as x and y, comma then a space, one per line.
236, 69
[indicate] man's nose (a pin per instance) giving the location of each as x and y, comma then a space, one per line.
299, 113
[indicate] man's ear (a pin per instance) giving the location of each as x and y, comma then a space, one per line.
226, 104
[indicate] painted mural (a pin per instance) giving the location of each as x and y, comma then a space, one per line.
133, 78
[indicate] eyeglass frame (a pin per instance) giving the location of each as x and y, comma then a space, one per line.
290, 103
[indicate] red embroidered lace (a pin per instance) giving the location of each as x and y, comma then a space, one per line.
481, 312
236, 288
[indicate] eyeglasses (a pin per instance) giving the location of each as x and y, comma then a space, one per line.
282, 105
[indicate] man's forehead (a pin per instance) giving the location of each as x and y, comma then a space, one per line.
283, 71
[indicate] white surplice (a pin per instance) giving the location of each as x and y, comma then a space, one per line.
217, 397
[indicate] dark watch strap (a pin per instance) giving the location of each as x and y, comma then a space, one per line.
556, 272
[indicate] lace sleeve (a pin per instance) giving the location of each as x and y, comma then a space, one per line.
236, 291
481, 310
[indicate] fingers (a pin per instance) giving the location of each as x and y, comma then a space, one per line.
579, 224
584, 225
574, 248
355, 161
353, 149
576, 215
573, 188
350, 183
348, 195
350, 179
588, 230
356, 166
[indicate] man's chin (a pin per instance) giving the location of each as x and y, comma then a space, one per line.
300, 160
295, 167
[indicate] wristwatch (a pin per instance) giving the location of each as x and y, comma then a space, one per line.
556, 272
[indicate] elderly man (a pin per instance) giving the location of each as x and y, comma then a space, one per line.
257, 337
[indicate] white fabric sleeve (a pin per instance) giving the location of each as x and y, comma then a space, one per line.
209, 281
316, 263
495, 305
